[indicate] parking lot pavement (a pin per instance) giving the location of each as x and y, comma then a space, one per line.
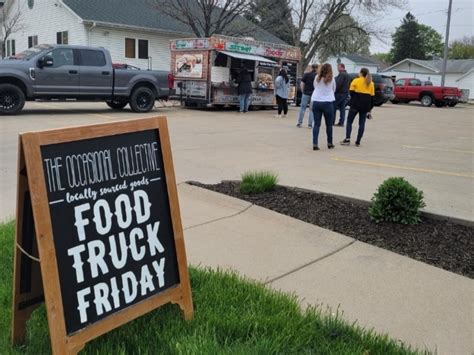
431, 147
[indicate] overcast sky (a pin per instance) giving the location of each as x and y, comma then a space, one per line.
432, 13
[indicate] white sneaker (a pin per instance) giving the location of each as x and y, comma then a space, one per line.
277, 116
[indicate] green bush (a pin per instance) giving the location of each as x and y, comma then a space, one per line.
258, 181
396, 200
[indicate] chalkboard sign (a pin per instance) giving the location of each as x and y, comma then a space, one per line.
110, 237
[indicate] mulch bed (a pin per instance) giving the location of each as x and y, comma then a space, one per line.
440, 243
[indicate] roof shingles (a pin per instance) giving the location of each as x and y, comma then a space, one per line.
142, 14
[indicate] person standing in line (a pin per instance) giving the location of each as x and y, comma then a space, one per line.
343, 80
306, 92
362, 93
244, 89
282, 87
322, 102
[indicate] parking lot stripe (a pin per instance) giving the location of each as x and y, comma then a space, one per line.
65, 109
421, 170
439, 149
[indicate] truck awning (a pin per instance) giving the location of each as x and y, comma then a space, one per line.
248, 57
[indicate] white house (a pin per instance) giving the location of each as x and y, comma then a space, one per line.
354, 63
459, 72
134, 31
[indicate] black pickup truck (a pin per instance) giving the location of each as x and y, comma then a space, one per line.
62, 72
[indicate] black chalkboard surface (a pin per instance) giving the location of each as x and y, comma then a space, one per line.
111, 222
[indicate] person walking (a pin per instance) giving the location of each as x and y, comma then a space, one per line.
343, 80
362, 93
306, 91
282, 87
322, 101
244, 89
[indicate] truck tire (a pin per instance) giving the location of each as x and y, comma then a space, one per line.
12, 99
117, 104
452, 104
426, 100
395, 102
142, 99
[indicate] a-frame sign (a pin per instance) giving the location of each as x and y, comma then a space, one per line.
99, 237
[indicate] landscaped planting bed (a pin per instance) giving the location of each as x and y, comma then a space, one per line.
440, 243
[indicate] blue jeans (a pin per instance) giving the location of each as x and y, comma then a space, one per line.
340, 104
320, 108
244, 102
350, 120
305, 100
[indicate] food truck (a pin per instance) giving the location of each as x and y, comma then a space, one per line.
205, 69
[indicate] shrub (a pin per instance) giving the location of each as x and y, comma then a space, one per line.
396, 200
258, 181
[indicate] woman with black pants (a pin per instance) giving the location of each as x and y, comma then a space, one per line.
282, 87
362, 92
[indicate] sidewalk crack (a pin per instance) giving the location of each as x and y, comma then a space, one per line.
219, 219
308, 264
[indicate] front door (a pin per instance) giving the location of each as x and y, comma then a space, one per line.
61, 78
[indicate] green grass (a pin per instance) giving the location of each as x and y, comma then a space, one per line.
232, 316
258, 181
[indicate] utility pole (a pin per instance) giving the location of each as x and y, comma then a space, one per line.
446, 44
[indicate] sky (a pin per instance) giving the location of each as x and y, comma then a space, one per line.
432, 13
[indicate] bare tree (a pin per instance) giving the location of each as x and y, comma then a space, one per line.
207, 17
318, 24
11, 23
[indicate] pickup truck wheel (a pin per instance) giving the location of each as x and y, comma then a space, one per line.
452, 104
426, 100
117, 105
394, 102
142, 99
12, 99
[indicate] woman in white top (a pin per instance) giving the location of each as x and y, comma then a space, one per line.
322, 103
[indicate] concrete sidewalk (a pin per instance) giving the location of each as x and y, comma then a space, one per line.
417, 303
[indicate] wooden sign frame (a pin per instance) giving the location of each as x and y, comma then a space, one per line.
38, 244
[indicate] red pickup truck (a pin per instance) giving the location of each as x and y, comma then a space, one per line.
411, 89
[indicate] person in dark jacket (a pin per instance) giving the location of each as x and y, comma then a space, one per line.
306, 91
343, 80
362, 93
244, 89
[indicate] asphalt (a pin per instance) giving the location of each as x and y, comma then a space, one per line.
416, 303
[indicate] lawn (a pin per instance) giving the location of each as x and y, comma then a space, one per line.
232, 316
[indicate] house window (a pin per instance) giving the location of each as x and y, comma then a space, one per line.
143, 48
32, 41
62, 37
129, 47
10, 47
92, 58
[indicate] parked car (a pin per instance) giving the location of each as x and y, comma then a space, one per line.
63, 72
411, 89
383, 88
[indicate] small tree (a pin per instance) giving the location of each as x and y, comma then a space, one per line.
462, 48
12, 22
